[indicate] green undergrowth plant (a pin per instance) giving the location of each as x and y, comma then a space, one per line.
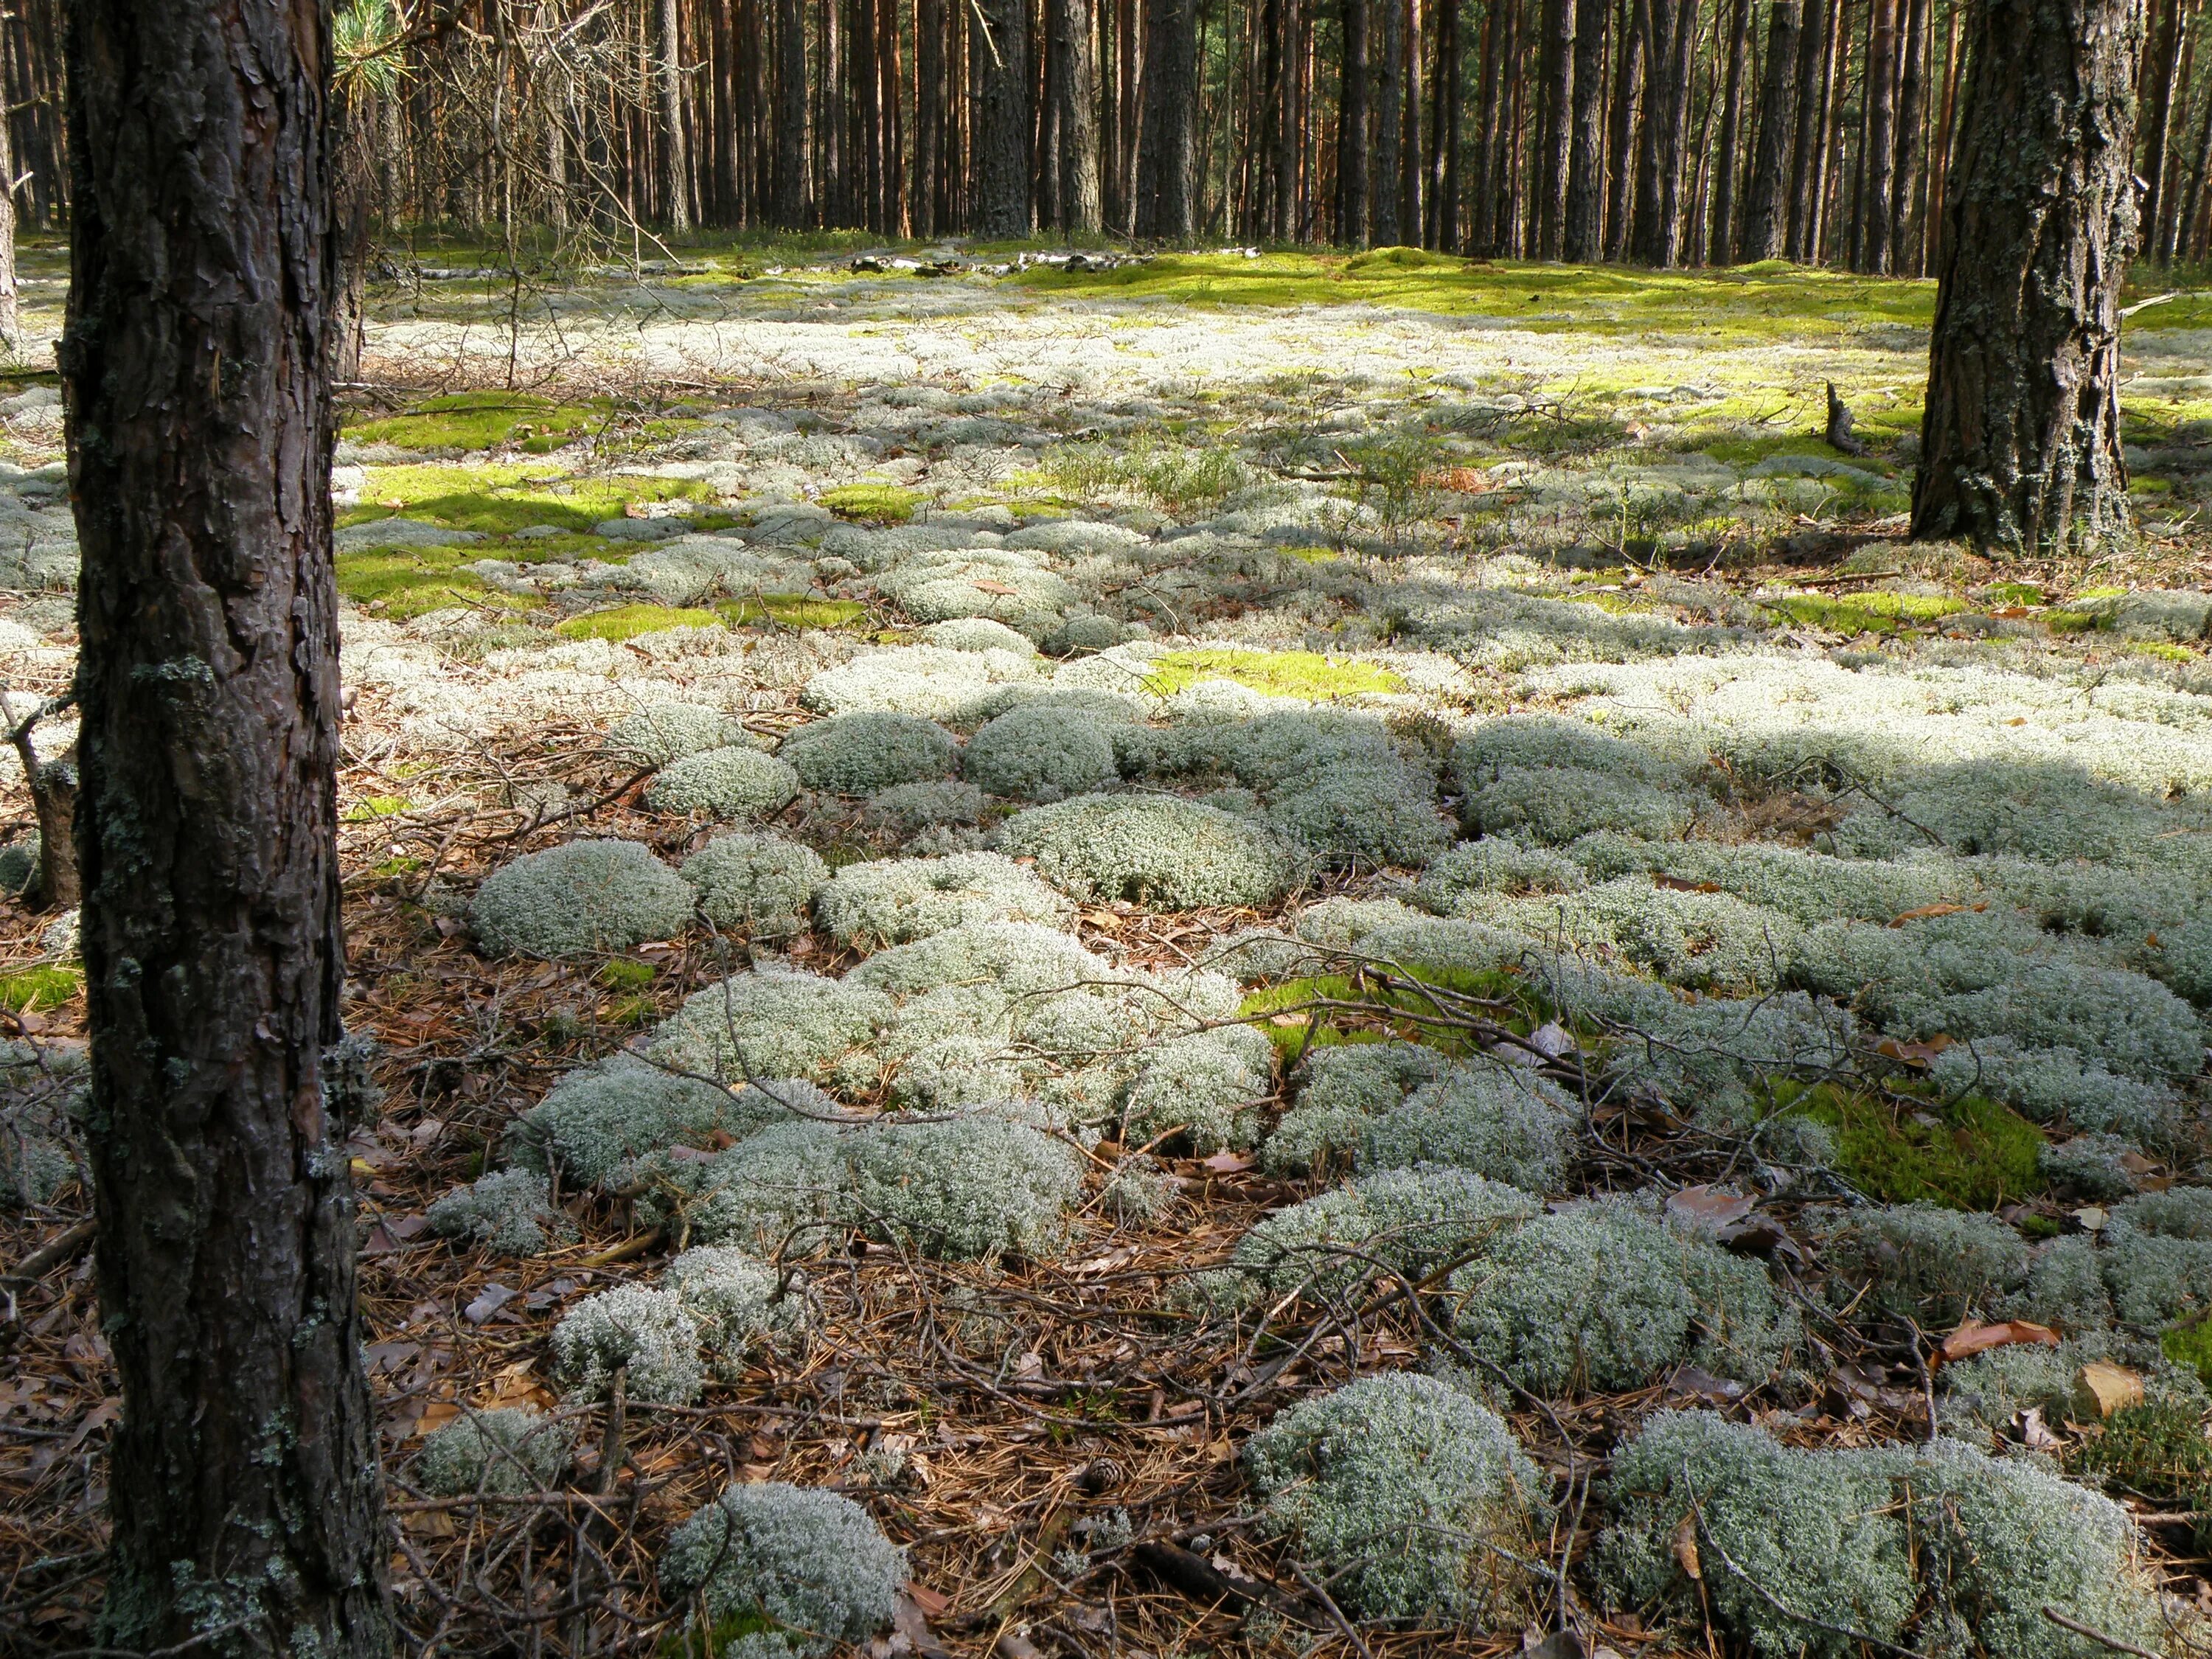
879, 503
32, 990
1305, 674
791, 611
2156, 1449
1967, 1152
627, 622
480, 420
1316, 1010
498, 498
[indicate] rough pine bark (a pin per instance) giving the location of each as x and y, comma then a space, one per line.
1390, 126
1555, 155
1627, 130
2021, 440
10, 327
2159, 75
1582, 238
2185, 237
998, 50
1077, 83
1912, 118
1804, 149
1871, 235
1766, 211
1166, 160
1351, 155
675, 153
791, 147
1721, 249
1445, 128
244, 1491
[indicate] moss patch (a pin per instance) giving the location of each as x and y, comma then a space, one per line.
875, 503
27, 990
1974, 1155
500, 498
627, 622
1306, 674
1874, 612
2155, 1450
1284, 1013
404, 583
626, 974
793, 610
480, 420
369, 808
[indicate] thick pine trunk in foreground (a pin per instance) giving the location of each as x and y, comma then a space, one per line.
2020, 443
242, 1476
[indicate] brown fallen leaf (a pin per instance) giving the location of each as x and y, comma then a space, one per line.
986, 587
1686, 1549
1707, 1207
2101, 1388
1970, 1340
1676, 884
1914, 1054
1226, 1163
1927, 910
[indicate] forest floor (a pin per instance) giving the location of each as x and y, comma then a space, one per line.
1529, 687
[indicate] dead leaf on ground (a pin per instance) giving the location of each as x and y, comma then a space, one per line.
1970, 1340
1686, 1548
2104, 1389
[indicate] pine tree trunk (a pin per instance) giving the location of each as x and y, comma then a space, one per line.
1670, 35
1555, 156
1389, 125
1351, 151
790, 115
1583, 237
1912, 118
2160, 72
998, 52
1165, 161
2186, 240
1878, 141
1451, 52
1835, 75
1413, 155
2020, 441
11, 331
1765, 221
1721, 248
1626, 134
1804, 149
675, 153
1077, 119
242, 1475
2168, 223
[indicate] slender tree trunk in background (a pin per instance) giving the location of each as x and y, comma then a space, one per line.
998, 53
1352, 152
1129, 48
1078, 119
791, 180
1878, 144
2187, 239
2167, 226
242, 1474
1765, 213
1670, 29
2021, 440
11, 331
834, 202
1556, 156
675, 160
1493, 136
1911, 120
1722, 247
1804, 159
1451, 51
1389, 125
1939, 163
2160, 73
1506, 169
1835, 73
1627, 131
1582, 237
1412, 157
1166, 180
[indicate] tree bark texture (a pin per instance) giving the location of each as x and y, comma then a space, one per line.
1870, 238
1765, 212
1804, 149
2021, 440
675, 160
1352, 152
1077, 121
1166, 163
2159, 77
243, 1489
1555, 156
1912, 118
1445, 139
1583, 237
791, 180
1387, 216
1628, 128
998, 52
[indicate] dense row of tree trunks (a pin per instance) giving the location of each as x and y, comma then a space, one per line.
244, 1497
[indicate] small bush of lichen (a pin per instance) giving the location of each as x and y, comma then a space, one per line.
732, 782
1155, 850
812, 1566
1344, 1087
645, 1334
905, 810
892, 901
508, 1210
1040, 753
759, 885
1373, 812
660, 733
588, 896
1463, 881
1931, 1265
501, 1454
776, 1023
1493, 1119
861, 754
594, 1121
968, 1189
1417, 1498
1209, 1085
1413, 1223
739, 1303
1605, 1295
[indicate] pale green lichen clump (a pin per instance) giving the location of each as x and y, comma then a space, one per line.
723, 783
1936, 1549
500, 1454
812, 1564
892, 901
1156, 850
660, 732
1417, 1498
864, 753
508, 1210
586, 897
595, 1120
758, 884
1041, 752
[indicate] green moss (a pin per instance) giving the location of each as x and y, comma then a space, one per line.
793, 610
1874, 612
880, 503
2155, 1450
480, 420
1379, 1014
698, 1641
2014, 593
2189, 1343
1974, 1155
498, 498
627, 974
627, 622
407, 583
27, 990
2073, 622
369, 808
1306, 674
